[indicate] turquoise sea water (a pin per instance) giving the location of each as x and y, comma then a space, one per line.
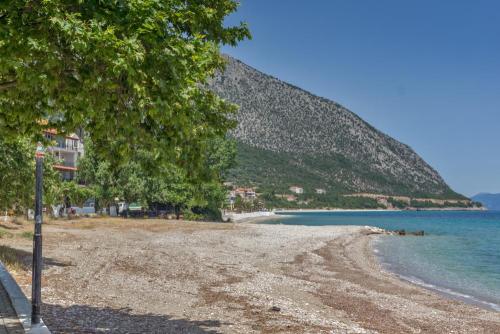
459, 256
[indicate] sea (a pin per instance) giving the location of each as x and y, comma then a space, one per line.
459, 256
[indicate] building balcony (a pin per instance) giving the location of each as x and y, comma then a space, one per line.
65, 166
64, 147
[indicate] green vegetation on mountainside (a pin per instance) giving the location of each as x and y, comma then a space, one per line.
277, 171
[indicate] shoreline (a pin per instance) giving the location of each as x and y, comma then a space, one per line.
263, 216
441, 290
198, 277
377, 210
256, 217
377, 261
251, 217
334, 210
372, 263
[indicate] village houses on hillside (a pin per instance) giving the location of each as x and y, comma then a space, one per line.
296, 189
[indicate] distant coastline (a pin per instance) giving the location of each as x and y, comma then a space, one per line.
377, 210
332, 210
263, 216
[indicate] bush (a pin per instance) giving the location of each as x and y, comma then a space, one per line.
189, 215
397, 203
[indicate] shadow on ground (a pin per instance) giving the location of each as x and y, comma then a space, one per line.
21, 259
86, 319
15, 227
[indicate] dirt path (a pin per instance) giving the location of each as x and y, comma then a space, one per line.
171, 277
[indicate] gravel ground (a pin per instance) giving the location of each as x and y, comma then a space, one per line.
132, 276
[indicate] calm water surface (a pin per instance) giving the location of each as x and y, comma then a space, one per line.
459, 256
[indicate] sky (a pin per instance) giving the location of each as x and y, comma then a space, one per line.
425, 72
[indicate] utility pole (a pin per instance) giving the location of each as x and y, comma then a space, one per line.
36, 279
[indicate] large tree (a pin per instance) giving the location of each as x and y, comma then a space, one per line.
131, 73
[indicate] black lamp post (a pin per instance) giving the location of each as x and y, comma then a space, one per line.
36, 283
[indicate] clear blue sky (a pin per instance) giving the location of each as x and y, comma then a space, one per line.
425, 72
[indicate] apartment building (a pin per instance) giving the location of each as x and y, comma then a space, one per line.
67, 150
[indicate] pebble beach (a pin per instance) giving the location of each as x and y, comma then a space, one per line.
133, 276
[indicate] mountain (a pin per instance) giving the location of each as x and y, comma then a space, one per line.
490, 201
289, 136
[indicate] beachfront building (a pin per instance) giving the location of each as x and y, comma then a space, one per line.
297, 190
67, 150
245, 193
320, 191
250, 193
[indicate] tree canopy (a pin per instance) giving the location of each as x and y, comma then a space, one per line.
130, 73
166, 184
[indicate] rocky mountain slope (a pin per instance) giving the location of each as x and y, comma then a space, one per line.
287, 135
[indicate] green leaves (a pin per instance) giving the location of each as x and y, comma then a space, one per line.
149, 180
17, 175
131, 73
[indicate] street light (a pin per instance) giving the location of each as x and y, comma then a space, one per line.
36, 279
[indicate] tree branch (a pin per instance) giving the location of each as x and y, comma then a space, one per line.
7, 84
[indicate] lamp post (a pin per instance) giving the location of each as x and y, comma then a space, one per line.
36, 282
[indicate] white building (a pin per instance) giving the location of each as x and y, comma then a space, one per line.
297, 189
247, 193
67, 150
320, 191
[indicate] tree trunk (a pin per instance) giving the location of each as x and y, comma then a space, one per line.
177, 212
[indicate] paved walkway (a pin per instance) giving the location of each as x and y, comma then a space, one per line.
9, 323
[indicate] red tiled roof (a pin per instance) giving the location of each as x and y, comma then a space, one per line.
54, 132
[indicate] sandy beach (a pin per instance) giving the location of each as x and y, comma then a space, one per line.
128, 276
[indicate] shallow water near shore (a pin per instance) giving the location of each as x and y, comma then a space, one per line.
459, 256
